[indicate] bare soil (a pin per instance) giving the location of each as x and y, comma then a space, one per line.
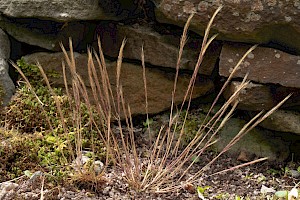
243, 182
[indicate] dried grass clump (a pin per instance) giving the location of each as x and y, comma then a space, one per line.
165, 167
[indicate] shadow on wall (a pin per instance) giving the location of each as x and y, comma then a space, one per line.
129, 10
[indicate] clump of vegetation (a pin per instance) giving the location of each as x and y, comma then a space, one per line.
74, 124
164, 168
190, 124
26, 112
35, 152
34, 136
17, 153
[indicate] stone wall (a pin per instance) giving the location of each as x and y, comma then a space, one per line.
273, 67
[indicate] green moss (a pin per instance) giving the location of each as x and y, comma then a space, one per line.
17, 153
39, 141
190, 126
33, 74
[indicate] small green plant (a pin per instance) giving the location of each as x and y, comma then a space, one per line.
148, 122
249, 176
241, 198
274, 172
222, 196
261, 178
201, 191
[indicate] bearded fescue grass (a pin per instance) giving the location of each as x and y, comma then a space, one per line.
165, 167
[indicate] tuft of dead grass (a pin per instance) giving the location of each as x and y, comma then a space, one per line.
166, 166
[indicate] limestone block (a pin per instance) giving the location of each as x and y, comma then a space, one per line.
42, 33
283, 121
256, 143
159, 83
56, 10
7, 86
159, 49
265, 65
243, 21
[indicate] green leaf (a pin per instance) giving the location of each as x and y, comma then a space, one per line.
51, 139
195, 159
281, 194
202, 189
238, 198
148, 122
27, 173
